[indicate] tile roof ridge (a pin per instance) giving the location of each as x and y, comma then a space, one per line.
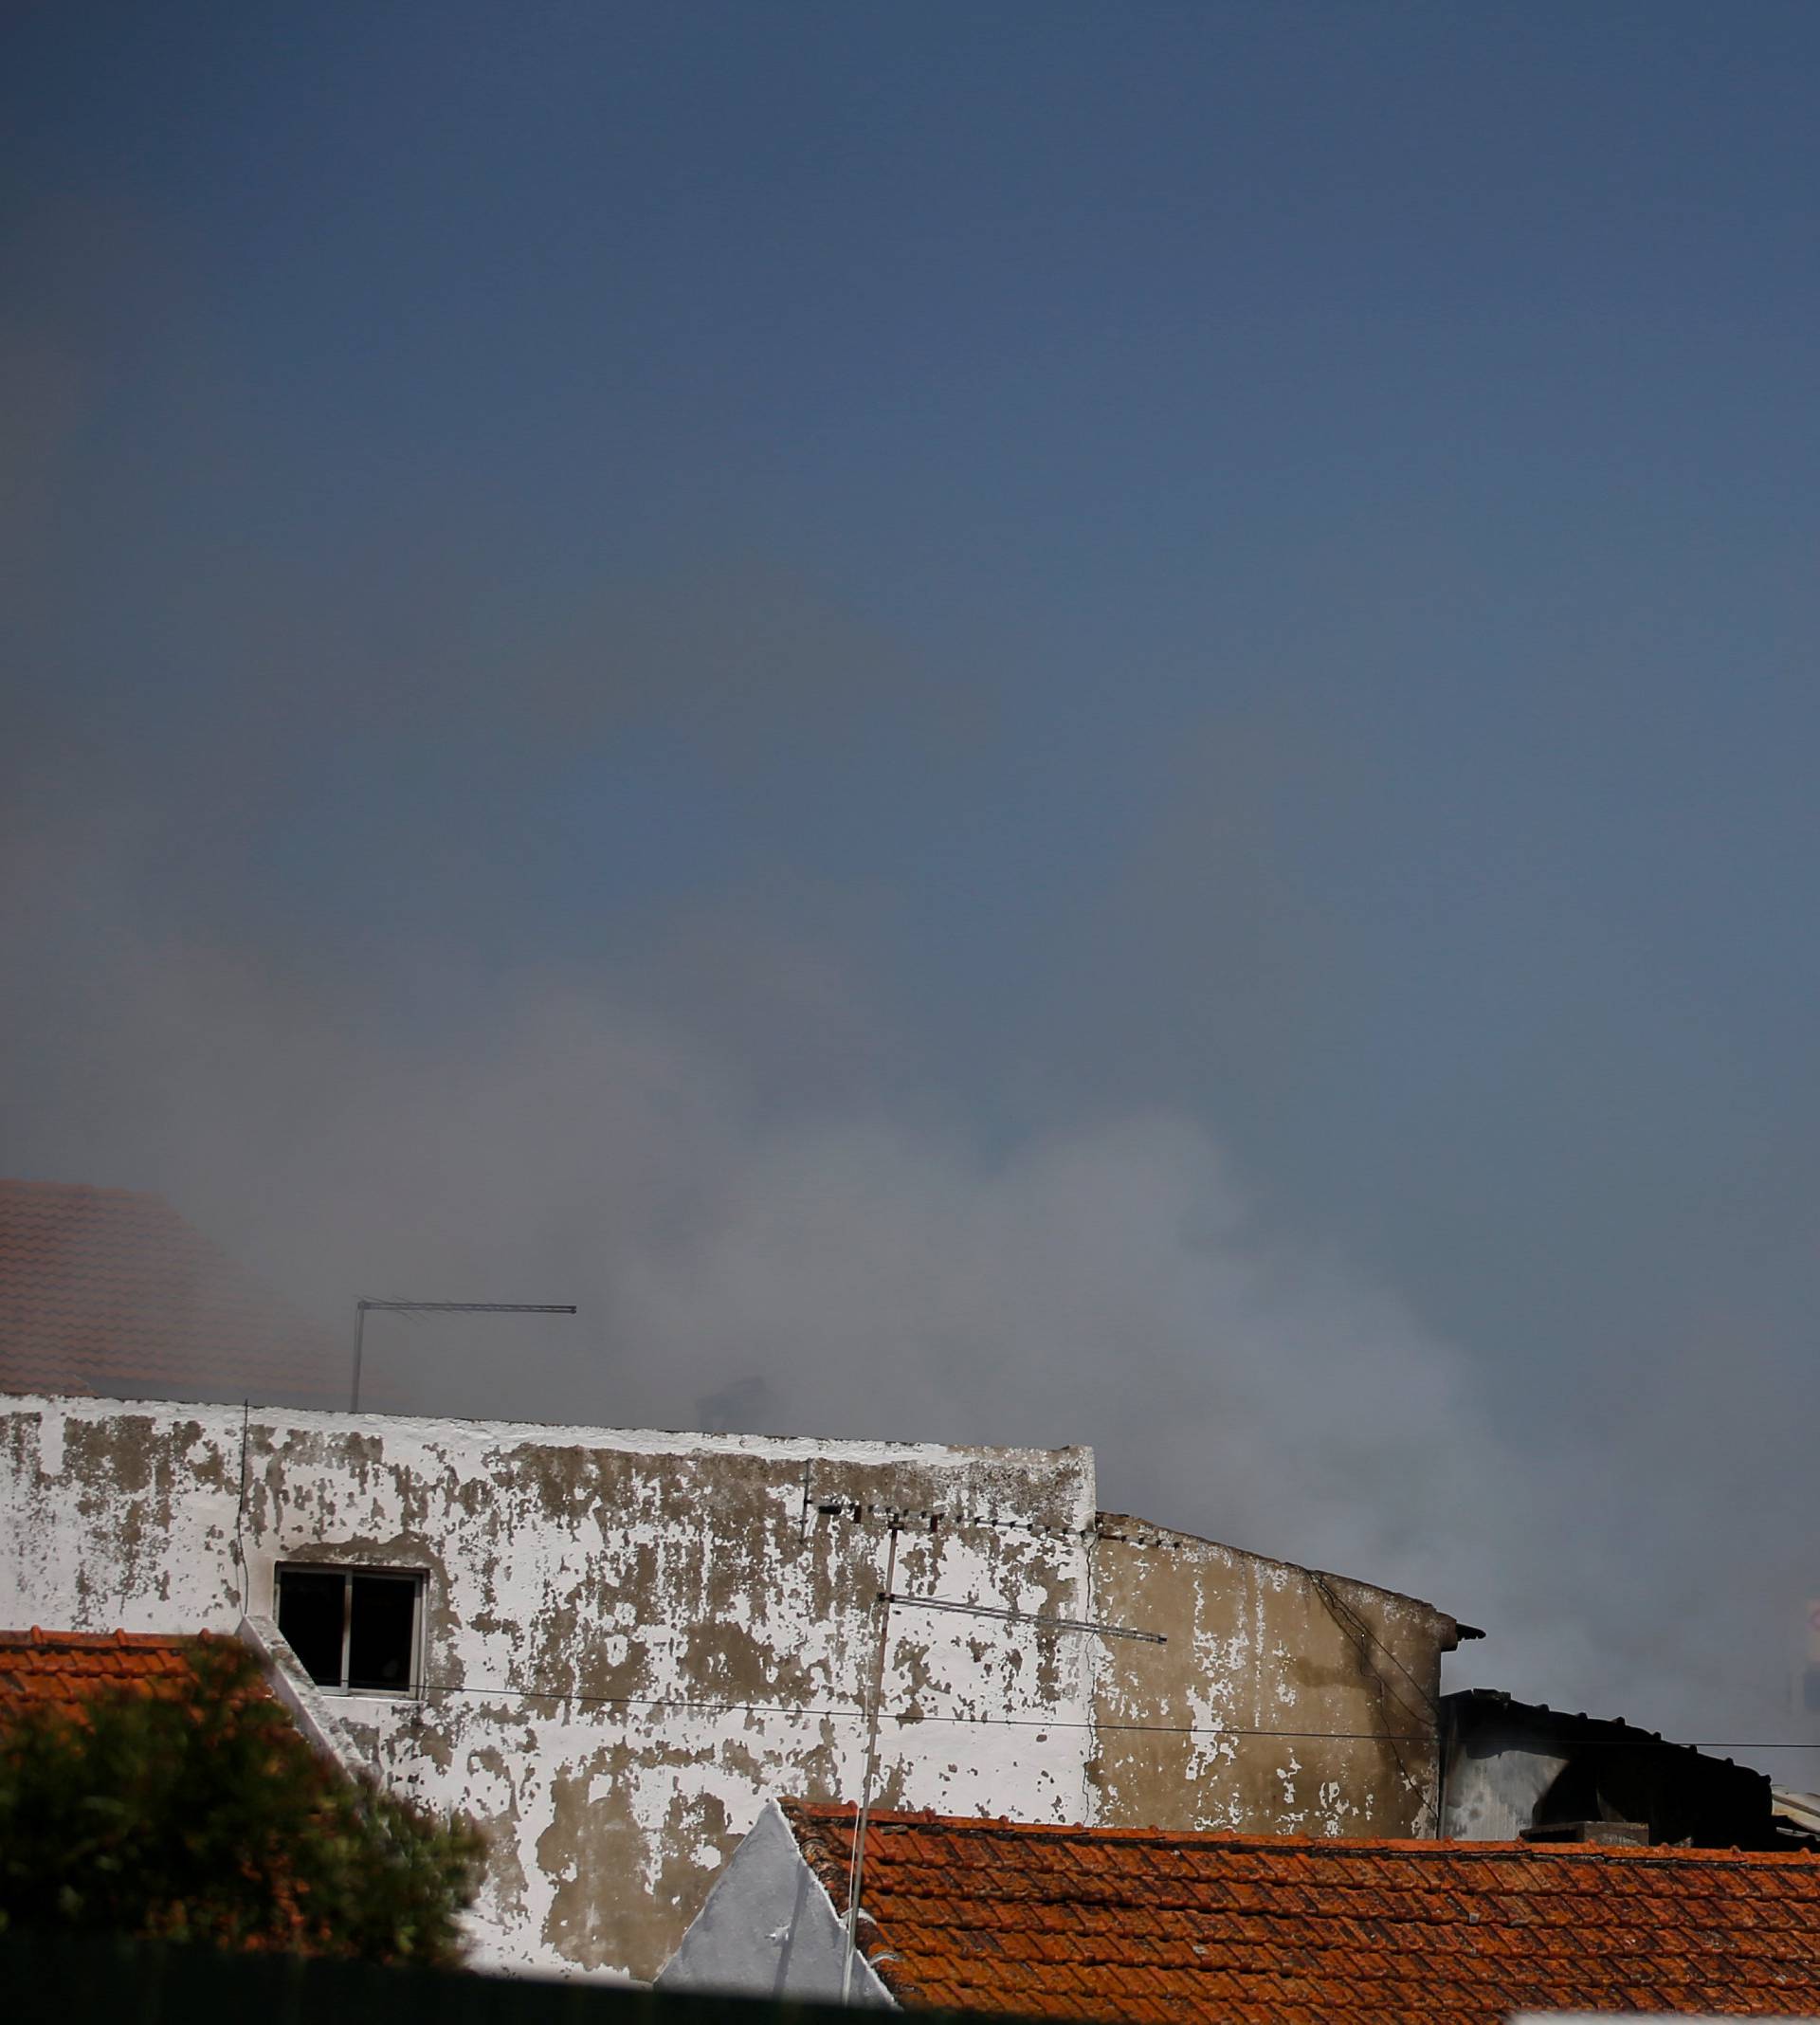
833, 1813
29, 1185
99, 1641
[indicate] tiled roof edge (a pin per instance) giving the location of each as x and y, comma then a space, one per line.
101, 1641
830, 1870
840, 1816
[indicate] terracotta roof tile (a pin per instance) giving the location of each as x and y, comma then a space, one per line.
62, 1669
1196, 1929
106, 1291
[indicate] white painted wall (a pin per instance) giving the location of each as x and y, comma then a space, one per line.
581, 1584
632, 1641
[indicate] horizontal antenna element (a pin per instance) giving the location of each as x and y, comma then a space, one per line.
363, 1308
1021, 1616
473, 1307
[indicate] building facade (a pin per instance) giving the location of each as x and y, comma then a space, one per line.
612, 1648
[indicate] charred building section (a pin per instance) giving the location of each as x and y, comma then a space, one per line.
1521, 1770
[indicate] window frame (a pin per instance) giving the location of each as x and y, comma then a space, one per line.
413, 1689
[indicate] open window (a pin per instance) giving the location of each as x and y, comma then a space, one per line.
356, 1631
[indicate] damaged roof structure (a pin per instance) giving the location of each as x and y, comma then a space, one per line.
1519, 1769
1168, 1925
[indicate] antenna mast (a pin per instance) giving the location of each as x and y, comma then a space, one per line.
856, 1868
437, 1307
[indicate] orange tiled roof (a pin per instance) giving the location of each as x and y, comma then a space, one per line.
1146, 1925
106, 1291
61, 1669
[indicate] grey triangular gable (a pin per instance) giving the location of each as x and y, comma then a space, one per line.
769, 1928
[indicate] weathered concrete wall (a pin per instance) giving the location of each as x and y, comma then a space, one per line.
311, 1709
1312, 1699
630, 1640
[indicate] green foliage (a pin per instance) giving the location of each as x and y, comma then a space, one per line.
208, 1819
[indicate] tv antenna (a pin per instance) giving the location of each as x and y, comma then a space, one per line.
886, 1597
438, 1308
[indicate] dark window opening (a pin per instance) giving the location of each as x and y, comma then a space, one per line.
310, 1610
382, 1628
354, 1633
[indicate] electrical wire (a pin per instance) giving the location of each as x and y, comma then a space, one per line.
1355, 1628
240, 1509
1358, 1630
912, 1718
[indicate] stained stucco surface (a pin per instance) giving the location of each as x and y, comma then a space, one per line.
631, 1641
1312, 1701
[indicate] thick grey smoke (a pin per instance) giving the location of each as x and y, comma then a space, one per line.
854, 1263
286, 884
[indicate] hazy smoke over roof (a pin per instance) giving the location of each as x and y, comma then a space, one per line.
971, 788
830, 1262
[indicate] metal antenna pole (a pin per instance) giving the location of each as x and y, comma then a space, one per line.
855, 1869
439, 1307
887, 1596
359, 1341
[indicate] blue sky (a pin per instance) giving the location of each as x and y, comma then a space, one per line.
992, 571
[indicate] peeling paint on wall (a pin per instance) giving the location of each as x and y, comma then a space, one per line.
1285, 1703
631, 1641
